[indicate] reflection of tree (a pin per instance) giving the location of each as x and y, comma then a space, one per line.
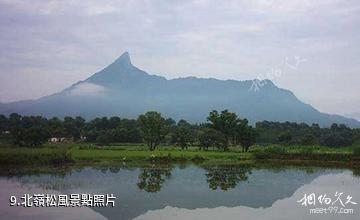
114, 169
152, 179
226, 177
356, 172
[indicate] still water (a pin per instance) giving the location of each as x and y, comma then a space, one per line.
189, 192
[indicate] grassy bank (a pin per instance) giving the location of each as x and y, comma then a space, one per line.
64, 154
40, 156
157, 155
305, 153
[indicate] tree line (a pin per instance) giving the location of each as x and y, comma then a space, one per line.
221, 130
290, 133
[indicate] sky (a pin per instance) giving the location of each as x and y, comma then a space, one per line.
309, 47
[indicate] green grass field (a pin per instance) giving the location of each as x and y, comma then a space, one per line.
40, 156
88, 153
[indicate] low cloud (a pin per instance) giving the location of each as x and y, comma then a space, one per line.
57, 43
87, 89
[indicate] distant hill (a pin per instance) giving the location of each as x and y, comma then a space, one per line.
124, 90
355, 115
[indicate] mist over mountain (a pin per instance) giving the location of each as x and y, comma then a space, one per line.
355, 115
124, 90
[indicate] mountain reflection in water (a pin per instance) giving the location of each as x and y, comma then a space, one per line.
194, 192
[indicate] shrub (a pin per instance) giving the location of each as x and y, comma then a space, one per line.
309, 139
356, 151
275, 150
270, 152
306, 150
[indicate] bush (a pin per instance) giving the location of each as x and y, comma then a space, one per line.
270, 152
309, 139
338, 140
285, 138
306, 150
275, 150
103, 139
356, 151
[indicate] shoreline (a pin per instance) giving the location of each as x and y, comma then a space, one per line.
56, 156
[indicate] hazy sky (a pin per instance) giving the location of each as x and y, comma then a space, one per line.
46, 46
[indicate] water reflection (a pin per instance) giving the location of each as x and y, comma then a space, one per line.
281, 209
226, 177
182, 187
152, 179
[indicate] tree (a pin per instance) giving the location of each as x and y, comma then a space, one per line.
70, 129
285, 137
337, 136
34, 136
225, 122
128, 131
153, 128
183, 134
103, 138
4, 124
246, 136
114, 122
233, 129
309, 139
16, 128
210, 137
31, 131
56, 127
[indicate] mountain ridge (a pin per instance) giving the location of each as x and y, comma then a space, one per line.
123, 89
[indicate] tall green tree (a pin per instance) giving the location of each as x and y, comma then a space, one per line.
4, 124
210, 137
183, 134
153, 128
226, 122
246, 136
30, 131
285, 137
56, 128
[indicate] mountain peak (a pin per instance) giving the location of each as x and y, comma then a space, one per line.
121, 71
124, 59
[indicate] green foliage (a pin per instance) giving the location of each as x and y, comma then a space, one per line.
308, 139
151, 180
210, 137
247, 137
39, 156
226, 122
233, 129
103, 139
338, 136
226, 177
28, 131
222, 131
356, 151
303, 134
113, 129
183, 134
285, 138
275, 150
4, 124
153, 128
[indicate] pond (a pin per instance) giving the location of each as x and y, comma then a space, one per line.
156, 192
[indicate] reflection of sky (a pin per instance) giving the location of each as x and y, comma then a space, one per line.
284, 209
13, 188
185, 194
